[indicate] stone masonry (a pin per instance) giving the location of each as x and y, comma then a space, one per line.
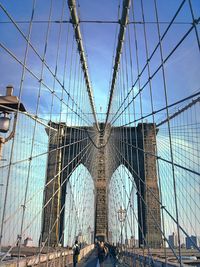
100, 166
52, 194
152, 214
101, 192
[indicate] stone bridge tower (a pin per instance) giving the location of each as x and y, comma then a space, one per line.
139, 160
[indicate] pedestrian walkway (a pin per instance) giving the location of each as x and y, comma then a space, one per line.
92, 261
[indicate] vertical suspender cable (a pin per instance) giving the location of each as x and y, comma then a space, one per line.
123, 23
75, 22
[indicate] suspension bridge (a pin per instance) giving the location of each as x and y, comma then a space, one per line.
72, 167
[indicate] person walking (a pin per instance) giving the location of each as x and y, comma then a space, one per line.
76, 252
102, 251
113, 253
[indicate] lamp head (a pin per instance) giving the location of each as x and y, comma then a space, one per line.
4, 122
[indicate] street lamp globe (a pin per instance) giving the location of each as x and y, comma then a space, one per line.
9, 104
4, 123
121, 214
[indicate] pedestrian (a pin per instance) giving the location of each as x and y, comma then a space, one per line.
102, 252
76, 252
113, 253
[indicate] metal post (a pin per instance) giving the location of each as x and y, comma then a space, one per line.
2, 141
121, 217
121, 236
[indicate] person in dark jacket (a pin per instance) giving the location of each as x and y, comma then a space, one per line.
102, 252
76, 252
113, 253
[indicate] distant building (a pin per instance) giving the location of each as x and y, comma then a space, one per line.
191, 242
173, 240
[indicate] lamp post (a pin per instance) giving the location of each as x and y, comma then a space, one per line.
89, 234
9, 105
121, 217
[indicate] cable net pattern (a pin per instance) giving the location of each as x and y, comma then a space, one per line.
41, 164
131, 178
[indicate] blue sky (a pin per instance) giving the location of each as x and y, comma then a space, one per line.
99, 44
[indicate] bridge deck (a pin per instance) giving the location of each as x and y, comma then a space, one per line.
92, 261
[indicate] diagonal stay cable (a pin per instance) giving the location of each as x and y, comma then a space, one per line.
154, 196
66, 178
194, 101
153, 75
162, 109
42, 82
15, 23
151, 56
142, 199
